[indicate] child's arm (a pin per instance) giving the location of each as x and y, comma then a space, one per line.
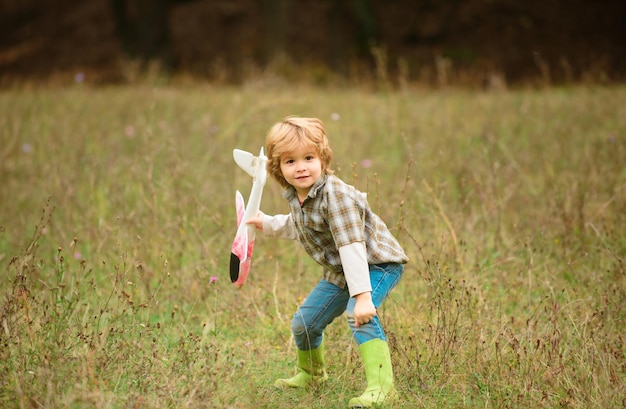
280, 225
357, 273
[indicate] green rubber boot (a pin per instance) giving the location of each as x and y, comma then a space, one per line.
311, 369
380, 391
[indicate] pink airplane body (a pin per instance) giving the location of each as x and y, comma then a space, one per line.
243, 245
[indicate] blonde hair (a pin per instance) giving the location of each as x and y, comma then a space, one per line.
291, 133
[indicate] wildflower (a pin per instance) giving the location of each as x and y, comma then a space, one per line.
212, 280
366, 163
26, 148
79, 77
335, 116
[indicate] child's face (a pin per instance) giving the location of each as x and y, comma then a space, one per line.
301, 168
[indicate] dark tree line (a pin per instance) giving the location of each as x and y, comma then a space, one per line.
144, 30
516, 38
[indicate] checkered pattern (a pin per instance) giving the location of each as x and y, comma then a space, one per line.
335, 214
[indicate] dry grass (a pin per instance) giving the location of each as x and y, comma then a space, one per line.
117, 208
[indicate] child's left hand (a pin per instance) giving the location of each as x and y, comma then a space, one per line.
364, 309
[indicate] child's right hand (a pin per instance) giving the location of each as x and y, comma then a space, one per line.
257, 221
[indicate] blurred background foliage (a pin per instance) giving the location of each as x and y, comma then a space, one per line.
477, 42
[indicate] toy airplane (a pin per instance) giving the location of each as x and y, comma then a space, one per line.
241, 253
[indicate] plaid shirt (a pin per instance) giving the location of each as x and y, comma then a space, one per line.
333, 215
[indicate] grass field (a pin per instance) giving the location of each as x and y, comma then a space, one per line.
117, 217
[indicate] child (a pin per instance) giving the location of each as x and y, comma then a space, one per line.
361, 260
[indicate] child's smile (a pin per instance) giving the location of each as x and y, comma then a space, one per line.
301, 168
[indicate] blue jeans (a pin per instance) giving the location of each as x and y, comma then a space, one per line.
328, 301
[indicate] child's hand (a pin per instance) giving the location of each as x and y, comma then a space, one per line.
257, 221
364, 309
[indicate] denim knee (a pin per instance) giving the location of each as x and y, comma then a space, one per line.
297, 325
306, 334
